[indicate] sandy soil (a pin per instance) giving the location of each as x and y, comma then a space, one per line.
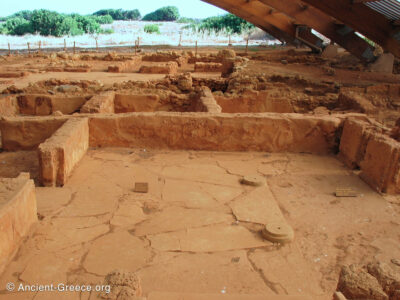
183, 237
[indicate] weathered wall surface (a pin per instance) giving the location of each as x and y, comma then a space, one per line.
8, 106
207, 67
259, 102
102, 103
26, 133
17, 214
59, 154
125, 66
363, 145
43, 105
136, 103
238, 132
167, 68
380, 167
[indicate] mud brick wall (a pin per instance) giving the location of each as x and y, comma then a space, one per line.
59, 154
363, 145
17, 214
26, 133
103, 103
125, 65
217, 132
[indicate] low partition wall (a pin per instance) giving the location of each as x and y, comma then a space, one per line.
218, 132
17, 214
59, 154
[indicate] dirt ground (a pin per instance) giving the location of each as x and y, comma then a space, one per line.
195, 231
183, 236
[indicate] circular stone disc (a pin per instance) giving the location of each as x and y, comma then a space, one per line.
253, 180
278, 233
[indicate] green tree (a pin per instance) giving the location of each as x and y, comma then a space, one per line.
17, 26
25, 14
168, 13
119, 14
69, 26
228, 23
46, 22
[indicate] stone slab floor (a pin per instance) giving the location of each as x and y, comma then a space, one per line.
183, 236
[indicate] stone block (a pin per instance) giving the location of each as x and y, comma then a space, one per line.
102, 103
353, 142
381, 164
383, 64
331, 51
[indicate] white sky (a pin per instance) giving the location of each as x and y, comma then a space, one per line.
187, 8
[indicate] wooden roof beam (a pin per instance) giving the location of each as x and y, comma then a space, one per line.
325, 25
256, 10
364, 20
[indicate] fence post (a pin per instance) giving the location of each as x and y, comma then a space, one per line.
9, 49
65, 45
74, 47
40, 45
29, 48
247, 45
97, 46
230, 42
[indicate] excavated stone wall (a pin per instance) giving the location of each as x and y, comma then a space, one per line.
17, 214
43, 105
26, 133
59, 154
218, 132
364, 145
124, 66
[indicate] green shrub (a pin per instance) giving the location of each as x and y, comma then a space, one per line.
86, 24
46, 22
168, 13
69, 26
106, 19
107, 31
187, 20
227, 23
17, 26
152, 28
119, 14
25, 14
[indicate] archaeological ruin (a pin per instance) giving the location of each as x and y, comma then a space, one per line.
230, 172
